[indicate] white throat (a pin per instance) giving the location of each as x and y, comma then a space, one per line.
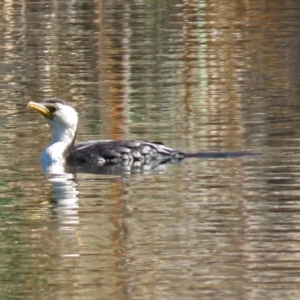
63, 136
58, 148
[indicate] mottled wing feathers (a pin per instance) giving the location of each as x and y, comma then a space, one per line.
123, 151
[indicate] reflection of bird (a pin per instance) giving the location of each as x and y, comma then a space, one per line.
62, 118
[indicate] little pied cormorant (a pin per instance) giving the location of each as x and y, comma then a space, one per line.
62, 118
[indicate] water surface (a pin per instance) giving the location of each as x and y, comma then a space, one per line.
200, 76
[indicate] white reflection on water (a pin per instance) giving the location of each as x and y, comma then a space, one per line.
64, 188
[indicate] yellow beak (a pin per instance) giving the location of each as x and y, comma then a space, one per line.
41, 109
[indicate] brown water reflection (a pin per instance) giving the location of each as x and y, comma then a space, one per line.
198, 75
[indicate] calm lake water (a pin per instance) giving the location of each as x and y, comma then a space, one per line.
216, 75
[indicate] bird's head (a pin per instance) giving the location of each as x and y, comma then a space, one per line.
59, 114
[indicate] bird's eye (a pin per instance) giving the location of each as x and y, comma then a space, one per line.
52, 109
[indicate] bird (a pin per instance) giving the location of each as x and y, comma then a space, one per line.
61, 153
62, 118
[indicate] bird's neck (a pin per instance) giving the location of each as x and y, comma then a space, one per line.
56, 152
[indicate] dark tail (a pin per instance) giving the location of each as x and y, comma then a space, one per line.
220, 154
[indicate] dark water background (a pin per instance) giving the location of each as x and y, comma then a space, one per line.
216, 75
